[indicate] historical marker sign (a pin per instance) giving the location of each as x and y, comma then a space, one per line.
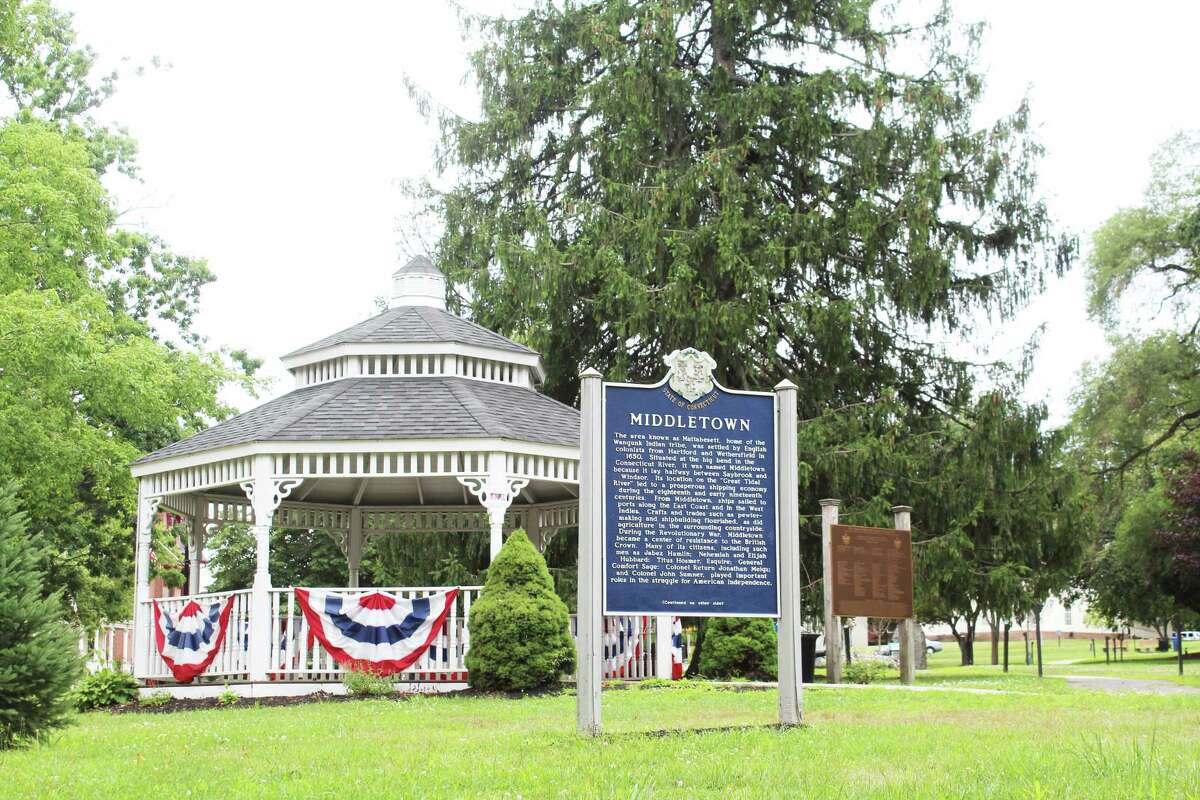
872, 572
689, 496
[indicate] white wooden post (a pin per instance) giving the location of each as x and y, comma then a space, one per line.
495, 491
265, 493
791, 701
662, 646
260, 595
147, 507
833, 625
533, 528
497, 506
196, 546
354, 546
591, 510
908, 636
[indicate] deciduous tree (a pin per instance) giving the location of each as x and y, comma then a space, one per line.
98, 360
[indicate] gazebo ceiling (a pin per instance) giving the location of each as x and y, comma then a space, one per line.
414, 492
388, 408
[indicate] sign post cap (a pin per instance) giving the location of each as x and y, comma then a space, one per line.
830, 501
785, 385
898, 509
590, 372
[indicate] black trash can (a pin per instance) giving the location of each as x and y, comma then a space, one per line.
808, 656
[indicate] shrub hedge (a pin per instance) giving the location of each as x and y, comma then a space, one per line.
738, 647
520, 630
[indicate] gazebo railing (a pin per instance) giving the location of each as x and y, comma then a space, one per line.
232, 661
299, 657
108, 647
630, 641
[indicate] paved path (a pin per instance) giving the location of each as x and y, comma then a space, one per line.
1129, 685
759, 686
1094, 682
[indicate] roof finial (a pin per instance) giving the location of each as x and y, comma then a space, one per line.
419, 283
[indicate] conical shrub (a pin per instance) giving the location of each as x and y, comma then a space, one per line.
520, 630
39, 653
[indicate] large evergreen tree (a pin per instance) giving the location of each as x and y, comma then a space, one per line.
800, 189
797, 188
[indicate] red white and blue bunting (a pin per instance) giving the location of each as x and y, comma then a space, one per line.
188, 641
381, 632
676, 648
622, 644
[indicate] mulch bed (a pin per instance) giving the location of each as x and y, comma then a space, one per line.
200, 703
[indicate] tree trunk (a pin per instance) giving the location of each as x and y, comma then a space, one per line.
969, 650
1179, 633
994, 625
1037, 622
922, 655
962, 648
1006, 629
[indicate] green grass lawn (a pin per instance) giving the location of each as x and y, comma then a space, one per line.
871, 742
1061, 659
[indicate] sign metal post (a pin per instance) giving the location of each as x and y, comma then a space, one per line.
791, 702
908, 633
591, 510
833, 624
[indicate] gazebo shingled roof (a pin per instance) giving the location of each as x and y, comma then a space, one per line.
381, 407
409, 324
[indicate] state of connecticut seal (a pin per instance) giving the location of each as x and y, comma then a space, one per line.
691, 373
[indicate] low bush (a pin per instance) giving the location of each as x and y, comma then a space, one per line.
866, 670
228, 697
667, 683
520, 630
103, 689
739, 647
155, 700
364, 683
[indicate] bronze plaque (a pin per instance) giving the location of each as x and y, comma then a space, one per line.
872, 572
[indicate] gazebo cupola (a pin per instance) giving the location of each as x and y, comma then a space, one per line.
416, 336
419, 283
414, 420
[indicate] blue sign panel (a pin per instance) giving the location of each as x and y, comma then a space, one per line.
689, 502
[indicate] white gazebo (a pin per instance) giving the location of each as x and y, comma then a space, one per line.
413, 421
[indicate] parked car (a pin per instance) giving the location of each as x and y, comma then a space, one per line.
1191, 636
893, 648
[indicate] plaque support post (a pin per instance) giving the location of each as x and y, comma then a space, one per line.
833, 625
908, 634
791, 700
591, 507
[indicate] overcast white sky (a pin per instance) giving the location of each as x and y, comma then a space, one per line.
274, 143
